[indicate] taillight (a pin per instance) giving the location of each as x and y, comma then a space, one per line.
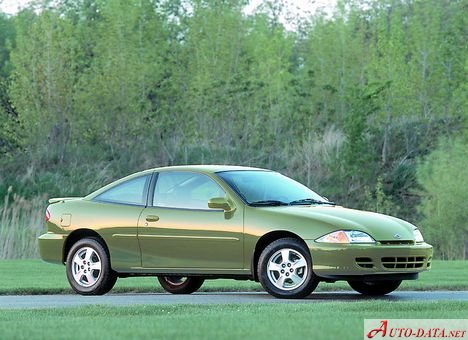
47, 215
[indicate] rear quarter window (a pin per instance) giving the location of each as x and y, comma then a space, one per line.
133, 191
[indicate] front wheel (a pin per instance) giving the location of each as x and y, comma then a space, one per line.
180, 284
375, 288
88, 268
285, 269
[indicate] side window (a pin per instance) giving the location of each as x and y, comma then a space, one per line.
132, 191
185, 190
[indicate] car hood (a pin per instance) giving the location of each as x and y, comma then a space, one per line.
380, 227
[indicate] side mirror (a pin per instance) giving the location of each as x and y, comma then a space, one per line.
221, 203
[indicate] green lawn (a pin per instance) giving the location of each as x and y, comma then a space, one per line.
37, 277
330, 320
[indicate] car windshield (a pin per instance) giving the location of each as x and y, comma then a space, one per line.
270, 188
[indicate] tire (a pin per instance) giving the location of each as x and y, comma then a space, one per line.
290, 277
375, 288
180, 284
88, 268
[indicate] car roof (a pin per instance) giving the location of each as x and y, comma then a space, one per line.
206, 168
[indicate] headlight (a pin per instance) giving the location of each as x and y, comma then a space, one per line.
417, 236
346, 236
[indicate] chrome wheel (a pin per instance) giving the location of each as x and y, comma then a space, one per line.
175, 280
287, 269
86, 266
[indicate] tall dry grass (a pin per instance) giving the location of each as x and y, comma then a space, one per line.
311, 159
21, 222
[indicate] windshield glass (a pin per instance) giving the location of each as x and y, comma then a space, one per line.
257, 186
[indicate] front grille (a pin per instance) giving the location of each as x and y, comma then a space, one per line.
403, 262
364, 262
396, 243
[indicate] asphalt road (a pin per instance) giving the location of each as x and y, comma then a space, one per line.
57, 301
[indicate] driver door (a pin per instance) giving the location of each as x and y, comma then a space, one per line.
178, 230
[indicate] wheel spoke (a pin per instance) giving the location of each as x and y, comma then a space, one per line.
76, 264
285, 255
90, 278
89, 254
296, 279
95, 266
273, 266
77, 276
281, 280
299, 264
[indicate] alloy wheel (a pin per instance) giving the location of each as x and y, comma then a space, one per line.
287, 269
86, 266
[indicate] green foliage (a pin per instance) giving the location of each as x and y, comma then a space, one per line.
45, 59
113, 98
91, 90
377, 200
445, 181
8, 114
7, 37
9, 140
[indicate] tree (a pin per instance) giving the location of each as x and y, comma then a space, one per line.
444, 179
8, 114
118, 98
349, 103
45, 61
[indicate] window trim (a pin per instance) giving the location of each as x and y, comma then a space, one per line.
146, 190
153, 190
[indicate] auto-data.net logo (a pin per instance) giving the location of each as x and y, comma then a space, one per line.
416, 328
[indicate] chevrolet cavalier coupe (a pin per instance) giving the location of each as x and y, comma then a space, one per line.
186, 224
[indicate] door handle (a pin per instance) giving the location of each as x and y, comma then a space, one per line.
152, 218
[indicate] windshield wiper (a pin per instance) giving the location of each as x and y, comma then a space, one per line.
307, 201
271, 203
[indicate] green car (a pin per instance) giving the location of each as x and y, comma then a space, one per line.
185, 224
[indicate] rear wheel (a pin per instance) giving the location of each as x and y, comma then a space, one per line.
88, 268
375, 287
285, 269
180, 284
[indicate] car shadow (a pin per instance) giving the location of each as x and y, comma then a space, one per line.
318, 296
345, 296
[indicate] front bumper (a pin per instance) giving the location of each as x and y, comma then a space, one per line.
345, 262
51, 247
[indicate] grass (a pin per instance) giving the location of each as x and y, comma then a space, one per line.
329, 320
38, 277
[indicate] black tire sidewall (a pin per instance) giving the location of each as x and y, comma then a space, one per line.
375, 288
303, 290
107, 276
191, 284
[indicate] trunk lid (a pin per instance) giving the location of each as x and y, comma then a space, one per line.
63, 199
